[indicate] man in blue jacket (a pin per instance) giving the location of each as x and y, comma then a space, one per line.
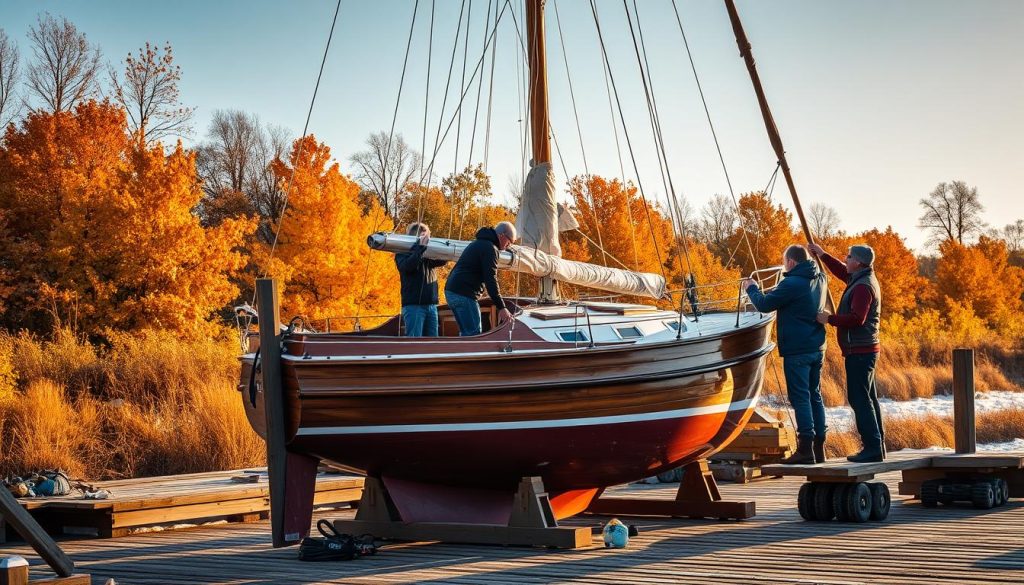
798, 298
419, 285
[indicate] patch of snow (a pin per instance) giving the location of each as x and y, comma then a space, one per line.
941, 405
1014, 445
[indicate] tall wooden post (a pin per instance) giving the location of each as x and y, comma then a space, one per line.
273, 402
963, 401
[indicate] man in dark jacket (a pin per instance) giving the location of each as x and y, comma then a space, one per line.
419, 285
476, 270
856, 322
798, 298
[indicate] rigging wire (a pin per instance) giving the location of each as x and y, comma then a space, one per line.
707, 113
579, 132
479, 88
302, 141
426, 102
659, 141
465, 54
629, 145
398, 100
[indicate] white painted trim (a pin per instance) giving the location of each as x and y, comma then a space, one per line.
529, 424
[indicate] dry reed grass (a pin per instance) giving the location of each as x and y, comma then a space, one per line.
147, 404
922, 432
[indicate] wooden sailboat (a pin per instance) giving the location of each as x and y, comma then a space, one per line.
582, 395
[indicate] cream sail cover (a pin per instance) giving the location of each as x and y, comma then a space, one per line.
535, 263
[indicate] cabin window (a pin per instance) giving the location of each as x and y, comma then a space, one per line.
630, 332
674, 325
572, 336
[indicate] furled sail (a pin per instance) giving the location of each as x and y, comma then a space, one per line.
538, 218
534, 262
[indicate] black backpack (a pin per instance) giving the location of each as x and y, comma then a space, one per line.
334, 546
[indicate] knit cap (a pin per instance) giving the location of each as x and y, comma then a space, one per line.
863, 253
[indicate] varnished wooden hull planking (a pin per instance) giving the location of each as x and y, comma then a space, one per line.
579, 418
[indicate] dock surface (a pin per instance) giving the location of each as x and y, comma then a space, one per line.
915, 545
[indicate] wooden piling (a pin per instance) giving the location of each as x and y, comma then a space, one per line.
273, 401
963, 400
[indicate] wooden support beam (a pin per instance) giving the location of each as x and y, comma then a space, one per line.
34, 534
531, 522
698, 497
963, 401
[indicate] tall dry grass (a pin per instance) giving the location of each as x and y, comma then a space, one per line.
144, 404
921, 432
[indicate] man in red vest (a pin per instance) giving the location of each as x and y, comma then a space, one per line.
856, 321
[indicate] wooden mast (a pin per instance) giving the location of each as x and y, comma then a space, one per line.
539, 122
769, 121
540, 127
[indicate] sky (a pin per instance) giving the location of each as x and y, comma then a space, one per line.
877, 101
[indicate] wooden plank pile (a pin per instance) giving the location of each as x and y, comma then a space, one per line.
235, 496
764, 440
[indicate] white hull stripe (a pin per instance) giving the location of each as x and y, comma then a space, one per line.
530, 424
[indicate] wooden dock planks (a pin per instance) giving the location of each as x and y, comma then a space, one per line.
950, 546
161, 500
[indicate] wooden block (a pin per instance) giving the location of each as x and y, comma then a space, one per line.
76, 579
973, 460
13, 569
557, 537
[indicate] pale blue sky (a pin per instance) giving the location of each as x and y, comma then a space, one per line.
877, 101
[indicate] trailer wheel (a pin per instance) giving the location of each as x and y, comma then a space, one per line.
839, 497
824, 510
858, 502
983, 496
805, 501
1002, 490
881, 501
930, 494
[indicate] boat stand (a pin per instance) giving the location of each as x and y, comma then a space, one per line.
532, 522
698, 497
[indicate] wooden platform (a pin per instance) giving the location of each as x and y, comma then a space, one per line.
150, 501
947, 545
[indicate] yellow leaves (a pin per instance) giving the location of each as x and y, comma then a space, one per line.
321, 255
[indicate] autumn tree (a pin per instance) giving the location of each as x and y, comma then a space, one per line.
1013, 235
321, 256
101, 232
467, 192
952, 211
763, 233
149, 94
66, 68
980, 278
385, 168
9, 75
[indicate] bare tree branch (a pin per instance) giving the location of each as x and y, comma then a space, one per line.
66, 66
824, 220
385, 168
149, 95
952, 211
717, 224
9, 73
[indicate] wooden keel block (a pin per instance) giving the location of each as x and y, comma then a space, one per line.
76, 579
673, 508
557, 537
13, 571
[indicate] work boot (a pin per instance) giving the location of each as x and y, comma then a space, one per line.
819, 449
868, 455
804, 453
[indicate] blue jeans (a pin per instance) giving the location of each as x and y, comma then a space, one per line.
863, 398
803, 385
466, 311
420, 320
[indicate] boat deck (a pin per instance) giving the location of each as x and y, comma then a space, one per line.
915, 545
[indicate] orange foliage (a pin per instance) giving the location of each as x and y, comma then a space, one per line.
768, 231
101, 229
321, 259
980, 279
